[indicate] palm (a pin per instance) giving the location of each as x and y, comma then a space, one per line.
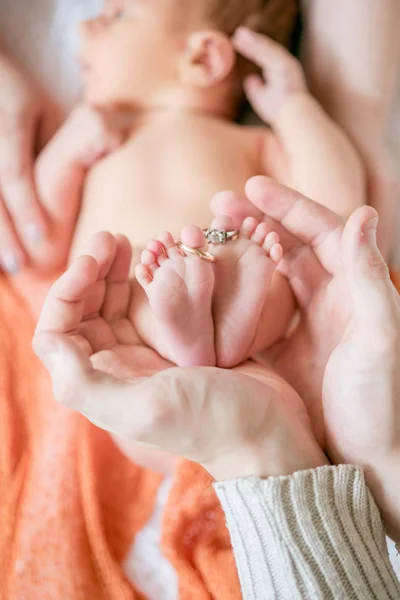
361, 385
316, 252
302, 359
95, 299
125, 358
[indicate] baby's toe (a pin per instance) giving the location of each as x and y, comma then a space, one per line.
260, 234
223, 222
143, 275
271, 239
193, 237
170, 249
148, 260
276, 253
248, 228
157, 248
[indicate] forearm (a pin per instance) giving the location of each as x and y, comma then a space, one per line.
352, 54
320, 161
315, 534
60, 174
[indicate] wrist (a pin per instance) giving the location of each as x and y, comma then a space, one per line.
382, 477
268, 460
294, 107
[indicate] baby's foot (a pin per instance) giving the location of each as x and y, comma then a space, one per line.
243, 273
180, 291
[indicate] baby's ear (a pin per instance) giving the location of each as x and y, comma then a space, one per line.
208, 59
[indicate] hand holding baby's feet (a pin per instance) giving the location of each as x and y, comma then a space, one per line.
283, 74
204, 313
96, 133
244, 270
179, 288
91, 303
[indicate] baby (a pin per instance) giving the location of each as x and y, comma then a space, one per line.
169, 71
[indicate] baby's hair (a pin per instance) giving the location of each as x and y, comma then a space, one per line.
274, 18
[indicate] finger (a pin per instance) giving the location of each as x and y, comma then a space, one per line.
303, 271
237, 207
63, 309
93, 327
102, 247
307, 222
17, 142
300, 264
224, 222
118, 290
254, 87
258, 48
375, 299
240, 208
128, 409
12, 256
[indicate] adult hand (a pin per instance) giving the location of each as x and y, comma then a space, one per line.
344, 356
233, 423
383, 194
22, 220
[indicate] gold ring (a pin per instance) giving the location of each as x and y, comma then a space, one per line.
188, 251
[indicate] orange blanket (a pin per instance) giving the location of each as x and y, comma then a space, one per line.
71, 504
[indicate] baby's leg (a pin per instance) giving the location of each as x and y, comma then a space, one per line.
177, 321
252, 305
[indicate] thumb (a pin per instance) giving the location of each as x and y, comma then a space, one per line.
235, 206
375, 298
126, 408
69, 367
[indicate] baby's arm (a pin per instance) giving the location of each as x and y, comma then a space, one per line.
307, 151
312, 155
60, 172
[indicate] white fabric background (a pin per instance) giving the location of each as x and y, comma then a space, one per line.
42, 35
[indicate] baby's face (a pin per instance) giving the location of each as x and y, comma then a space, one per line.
130, 53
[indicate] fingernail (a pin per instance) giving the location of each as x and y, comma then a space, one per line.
371, 225
10, 263
34, 233
369, 230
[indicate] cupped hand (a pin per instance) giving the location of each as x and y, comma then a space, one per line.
344, 356
233, 423
23, 223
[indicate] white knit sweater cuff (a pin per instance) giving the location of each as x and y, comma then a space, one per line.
314, 534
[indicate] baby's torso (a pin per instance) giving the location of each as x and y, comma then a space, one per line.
164, 178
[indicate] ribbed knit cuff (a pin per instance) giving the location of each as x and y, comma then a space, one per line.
314, 534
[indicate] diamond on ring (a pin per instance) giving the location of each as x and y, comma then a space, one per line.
219, 236
215, 236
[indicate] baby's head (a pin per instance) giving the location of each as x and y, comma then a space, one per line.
175, 53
